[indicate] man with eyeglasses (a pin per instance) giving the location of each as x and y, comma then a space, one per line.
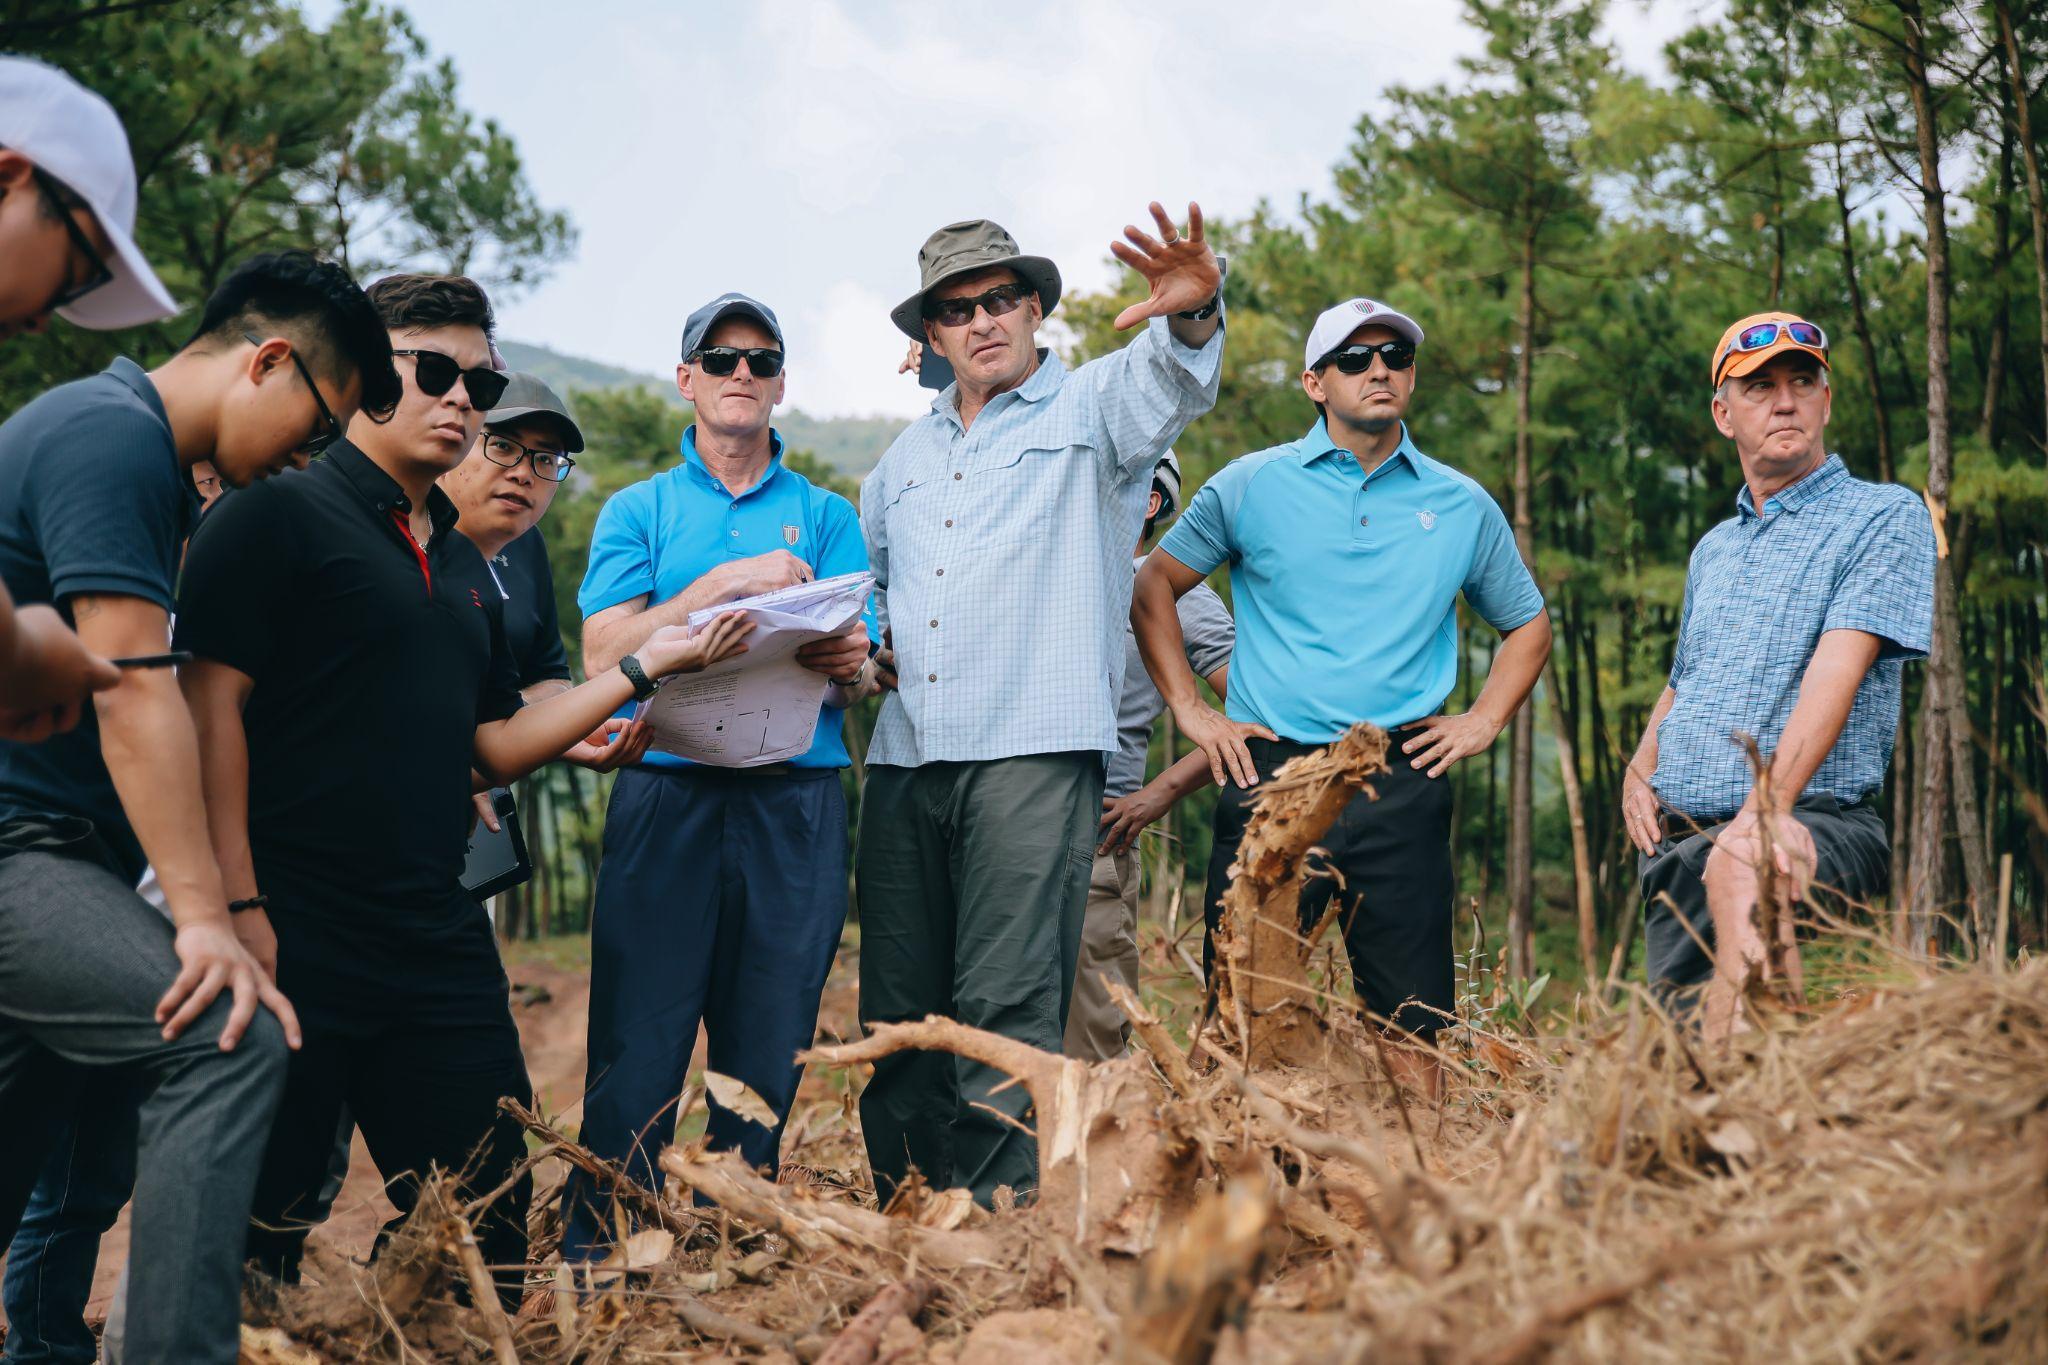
1000, 526
67, 219
347, 681
99, 992
1801, 612
1352, 514
723, 890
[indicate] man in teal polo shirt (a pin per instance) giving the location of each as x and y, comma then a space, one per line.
723, 890
1347, 550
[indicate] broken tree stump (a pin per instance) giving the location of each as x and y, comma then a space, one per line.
1262, 986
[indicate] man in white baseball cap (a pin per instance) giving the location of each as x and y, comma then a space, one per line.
67, 208
1348, 550
67, 212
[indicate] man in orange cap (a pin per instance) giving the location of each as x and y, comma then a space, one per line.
1800, 613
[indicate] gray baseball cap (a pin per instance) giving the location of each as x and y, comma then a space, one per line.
725, 306
526, 396
963, 248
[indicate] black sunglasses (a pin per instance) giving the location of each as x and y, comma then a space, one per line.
1002, 299
763, 362
436, 373
330, 428
1399, 355
65, 204
552, 465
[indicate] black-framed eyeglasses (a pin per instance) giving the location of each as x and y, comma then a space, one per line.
763, 362
436, 373
552, 465
1357, 359
330, 427
1002, 299
66, 204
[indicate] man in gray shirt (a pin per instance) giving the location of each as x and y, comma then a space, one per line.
1096, 1028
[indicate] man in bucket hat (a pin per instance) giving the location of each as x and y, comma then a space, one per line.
1348, 551
1801, 611
999, 527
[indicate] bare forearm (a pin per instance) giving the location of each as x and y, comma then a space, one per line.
536, 734
224, 778
1156, 624
152, 752
1645, 760
1827, 690
1516, 666
604, 644
1186, 776
1194, 335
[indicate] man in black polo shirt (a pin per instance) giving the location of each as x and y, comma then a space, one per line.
96, 987
348, 676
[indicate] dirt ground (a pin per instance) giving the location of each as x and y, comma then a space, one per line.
551, 1000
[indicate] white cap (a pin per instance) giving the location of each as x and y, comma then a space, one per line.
1347, 317
75, 136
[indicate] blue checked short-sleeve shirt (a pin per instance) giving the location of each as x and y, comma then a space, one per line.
1831, 552
1002, 552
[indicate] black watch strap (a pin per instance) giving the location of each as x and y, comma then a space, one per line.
1208, 310
643, 686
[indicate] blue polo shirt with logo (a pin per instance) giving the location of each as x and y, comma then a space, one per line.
662, 534
1345, 584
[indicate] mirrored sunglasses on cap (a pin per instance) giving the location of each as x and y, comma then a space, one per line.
1765, 334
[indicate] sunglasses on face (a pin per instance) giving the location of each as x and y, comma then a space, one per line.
1002, 299
552, 465
1399, 355
328, 430
65, 204
763, 362
436, 373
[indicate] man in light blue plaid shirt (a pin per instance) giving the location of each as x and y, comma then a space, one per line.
1800, 614
999, 528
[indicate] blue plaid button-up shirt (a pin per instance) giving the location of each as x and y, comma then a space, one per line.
1831, 552
1002, 552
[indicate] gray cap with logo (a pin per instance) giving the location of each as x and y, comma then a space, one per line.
527, 397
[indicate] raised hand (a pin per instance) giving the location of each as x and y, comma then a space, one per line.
1182, 271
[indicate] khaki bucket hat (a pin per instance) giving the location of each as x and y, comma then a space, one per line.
961, 249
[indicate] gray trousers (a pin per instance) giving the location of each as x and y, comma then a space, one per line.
83, 961
971, 880
1096, 1029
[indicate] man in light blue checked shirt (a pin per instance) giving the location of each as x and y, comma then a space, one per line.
999, 528
1800, 614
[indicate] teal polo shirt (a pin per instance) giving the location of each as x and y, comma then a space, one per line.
662, 534
1345, 584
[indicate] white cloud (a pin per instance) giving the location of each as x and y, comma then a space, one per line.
843, 357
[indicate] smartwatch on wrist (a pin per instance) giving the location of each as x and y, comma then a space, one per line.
643, 686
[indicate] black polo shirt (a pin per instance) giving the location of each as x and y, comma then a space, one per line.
374, 661
93, 502
519, 577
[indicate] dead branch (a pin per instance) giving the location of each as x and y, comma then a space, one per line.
858, 1343
609, 1174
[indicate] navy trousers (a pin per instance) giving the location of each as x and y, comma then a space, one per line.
720, 901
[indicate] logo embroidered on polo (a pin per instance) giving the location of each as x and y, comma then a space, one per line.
790, 533
474, 598
1427, 518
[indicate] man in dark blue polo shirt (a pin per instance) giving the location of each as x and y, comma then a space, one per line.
350, 673
1801, 612
1348, 550
723, 890
96, 497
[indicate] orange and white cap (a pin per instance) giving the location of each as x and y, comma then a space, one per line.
1750, 342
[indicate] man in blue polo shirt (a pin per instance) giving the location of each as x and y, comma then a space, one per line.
723, 890
1799, 619
1347, 551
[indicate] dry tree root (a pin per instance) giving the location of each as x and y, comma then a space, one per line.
861, 1340
1202, 1275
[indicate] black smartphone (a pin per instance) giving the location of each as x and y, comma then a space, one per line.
167, 660
934, 371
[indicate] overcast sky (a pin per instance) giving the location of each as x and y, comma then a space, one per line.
800, 152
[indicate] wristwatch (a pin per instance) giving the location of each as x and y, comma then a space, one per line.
643, 686
1208, 310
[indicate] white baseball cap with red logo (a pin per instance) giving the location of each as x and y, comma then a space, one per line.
1347, 317
75, 136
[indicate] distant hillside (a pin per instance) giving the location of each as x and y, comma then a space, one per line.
851, 444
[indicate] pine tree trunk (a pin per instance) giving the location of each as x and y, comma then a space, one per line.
2030, 156
1522, 733
1860, 317
1582, 854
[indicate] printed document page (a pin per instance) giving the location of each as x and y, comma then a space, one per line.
761, 706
